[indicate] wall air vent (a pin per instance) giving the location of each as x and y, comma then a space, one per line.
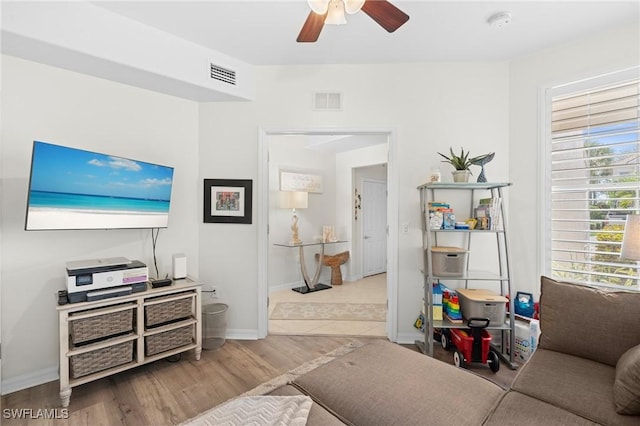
223, 74
327, 101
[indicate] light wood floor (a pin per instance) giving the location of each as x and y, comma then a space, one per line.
165, 393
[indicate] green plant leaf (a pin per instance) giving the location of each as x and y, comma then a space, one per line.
459, 162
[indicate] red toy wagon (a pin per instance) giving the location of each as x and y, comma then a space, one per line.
472, 345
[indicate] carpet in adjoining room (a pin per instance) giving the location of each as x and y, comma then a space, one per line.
329, 311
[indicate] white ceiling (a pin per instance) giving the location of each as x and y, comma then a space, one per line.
263, 32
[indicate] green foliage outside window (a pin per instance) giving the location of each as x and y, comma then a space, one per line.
610, 254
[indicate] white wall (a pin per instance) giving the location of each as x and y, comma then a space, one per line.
600, 54
287, 153
432, 107
119, 48
44, 103
352, 166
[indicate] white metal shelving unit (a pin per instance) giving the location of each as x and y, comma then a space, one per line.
430, 239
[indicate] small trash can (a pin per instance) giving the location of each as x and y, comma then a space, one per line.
214, 321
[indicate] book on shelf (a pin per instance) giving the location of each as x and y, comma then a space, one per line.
433, 205
448, 219
439, 213
488, 213
435, 219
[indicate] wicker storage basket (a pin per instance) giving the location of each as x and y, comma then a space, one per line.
172, 310
101, 359
100, 326
167, 340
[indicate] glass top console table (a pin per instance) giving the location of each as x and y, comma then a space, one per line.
311, 284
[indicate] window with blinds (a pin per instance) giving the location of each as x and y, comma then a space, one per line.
595, 183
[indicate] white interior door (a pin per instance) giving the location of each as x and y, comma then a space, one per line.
374, 227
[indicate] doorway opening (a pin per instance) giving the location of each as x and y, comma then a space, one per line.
352, 151
371, 230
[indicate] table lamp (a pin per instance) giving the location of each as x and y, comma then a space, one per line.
631, 239
294, 200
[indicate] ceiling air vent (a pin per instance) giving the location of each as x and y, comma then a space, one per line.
223, 74
327, 101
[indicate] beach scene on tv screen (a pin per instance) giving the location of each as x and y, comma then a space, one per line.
77, 189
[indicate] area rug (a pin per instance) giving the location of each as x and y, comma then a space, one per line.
329, 311
208, 417
258, 411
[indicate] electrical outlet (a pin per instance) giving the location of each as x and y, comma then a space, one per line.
214, 292
210, 291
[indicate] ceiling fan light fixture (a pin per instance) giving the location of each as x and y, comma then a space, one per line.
332, 12
335, 15
319, 6
353, 6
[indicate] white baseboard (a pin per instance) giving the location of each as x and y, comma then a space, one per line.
285, 286
242, 334
409, 338
324, 278
353, 277
29, 380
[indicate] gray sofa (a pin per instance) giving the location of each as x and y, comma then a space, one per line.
585, 371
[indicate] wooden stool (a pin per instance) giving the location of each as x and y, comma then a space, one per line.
334, 262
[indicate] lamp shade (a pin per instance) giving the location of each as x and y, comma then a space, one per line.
631, 239
319, 6
293, 200
353, 6
335, 14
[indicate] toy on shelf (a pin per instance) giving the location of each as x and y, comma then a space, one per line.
451, 306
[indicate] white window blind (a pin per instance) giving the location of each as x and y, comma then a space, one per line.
595, 182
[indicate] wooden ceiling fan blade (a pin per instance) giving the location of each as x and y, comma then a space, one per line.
312, 27
385, 14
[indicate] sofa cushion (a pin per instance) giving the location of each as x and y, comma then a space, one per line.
383, 384
317, 415
602, 335
626, 388
522, 410
578, 385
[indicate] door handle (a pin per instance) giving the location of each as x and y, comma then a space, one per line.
366, 237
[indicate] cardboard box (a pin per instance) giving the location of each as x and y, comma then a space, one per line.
436, 310
526, 338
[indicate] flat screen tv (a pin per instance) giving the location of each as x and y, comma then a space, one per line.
71, 188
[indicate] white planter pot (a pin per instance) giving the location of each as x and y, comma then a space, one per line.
461, 175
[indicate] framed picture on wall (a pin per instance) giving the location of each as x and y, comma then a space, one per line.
305, 182
227, 200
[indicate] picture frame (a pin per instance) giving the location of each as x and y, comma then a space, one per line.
228, 200
305, 182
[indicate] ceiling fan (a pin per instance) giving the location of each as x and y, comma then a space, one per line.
332, 12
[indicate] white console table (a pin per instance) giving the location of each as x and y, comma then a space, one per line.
140, 334
311, 284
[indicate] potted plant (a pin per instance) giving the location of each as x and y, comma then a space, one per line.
461, 163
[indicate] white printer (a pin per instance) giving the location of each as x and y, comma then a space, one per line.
97, 279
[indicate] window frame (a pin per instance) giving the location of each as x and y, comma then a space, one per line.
546, 95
